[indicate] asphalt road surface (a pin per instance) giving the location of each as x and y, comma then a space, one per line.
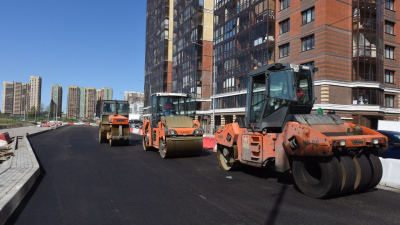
84, 182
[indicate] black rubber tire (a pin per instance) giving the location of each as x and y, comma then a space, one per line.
102, 137
318, 177
363, 172
349, 174
163, 154
377, 170
145, 146
230, 165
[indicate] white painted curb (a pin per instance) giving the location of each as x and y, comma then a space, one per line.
391, 173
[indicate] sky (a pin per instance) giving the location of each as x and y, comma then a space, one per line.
86, 43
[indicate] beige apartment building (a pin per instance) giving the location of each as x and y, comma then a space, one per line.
8, 97
15, 98
35, 92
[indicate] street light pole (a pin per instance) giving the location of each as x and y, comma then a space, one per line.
213, 86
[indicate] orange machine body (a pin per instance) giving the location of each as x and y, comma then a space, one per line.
257, 148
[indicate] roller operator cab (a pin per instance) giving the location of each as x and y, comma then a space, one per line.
172, 128
326, 156
114, 122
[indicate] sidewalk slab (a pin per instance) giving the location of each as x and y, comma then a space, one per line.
18, 179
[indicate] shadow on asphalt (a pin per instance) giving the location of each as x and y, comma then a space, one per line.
268, 173
14, 217
273, 214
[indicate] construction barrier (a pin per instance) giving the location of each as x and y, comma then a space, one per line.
209, 143
135, 130
391, 175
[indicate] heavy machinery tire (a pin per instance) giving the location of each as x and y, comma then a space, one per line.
161, 147
349, 174
102, 137
226, 158
377, 170
318, 177
363, 172
145, 146
126, 142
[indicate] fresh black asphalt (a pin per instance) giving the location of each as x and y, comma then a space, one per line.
84, 182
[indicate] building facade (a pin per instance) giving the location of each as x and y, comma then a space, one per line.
133, 96
21, 98
159, 37
8, 97
90, 102
15, 98
35, 92
354, 44
56, 100
73, 100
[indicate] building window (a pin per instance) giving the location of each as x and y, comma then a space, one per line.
284, 50
310, 64
389, 4
285, 4
366, 96
389, 75
389, 101
307, 43
389, 27
308, 16
389, 52
284, 26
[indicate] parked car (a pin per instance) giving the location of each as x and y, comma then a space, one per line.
135, 123
393, 150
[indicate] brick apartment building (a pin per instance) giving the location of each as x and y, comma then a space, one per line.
73, 99
81, 102
353, 43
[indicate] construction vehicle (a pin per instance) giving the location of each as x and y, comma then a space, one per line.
171, 128
326, 156
114, 123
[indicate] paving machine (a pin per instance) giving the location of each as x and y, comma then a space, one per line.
327, 156
171, 128
114, 122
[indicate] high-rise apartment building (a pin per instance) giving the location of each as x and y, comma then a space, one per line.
353, 44
133, 96
8, 97
73, 100
90, 104
21, 98
179, 52
81, 102
159, 37
15, 98
192, 50
56, 100
35, 92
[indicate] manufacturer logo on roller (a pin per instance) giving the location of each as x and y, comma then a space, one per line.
120, 120
357, 142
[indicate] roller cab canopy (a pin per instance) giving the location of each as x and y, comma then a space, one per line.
166, 105
277, 91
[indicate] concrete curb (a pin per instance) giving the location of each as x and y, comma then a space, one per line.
13, 197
